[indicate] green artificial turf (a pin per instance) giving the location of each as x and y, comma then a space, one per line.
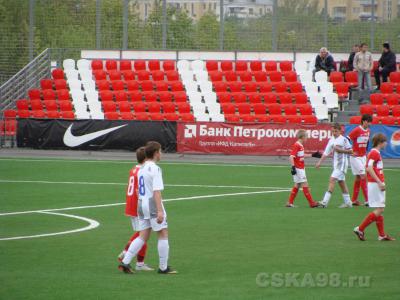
219, 245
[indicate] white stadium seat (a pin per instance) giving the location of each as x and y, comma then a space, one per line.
69, 64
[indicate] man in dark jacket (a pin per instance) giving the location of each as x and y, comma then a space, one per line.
324, 62
387, 64
356, 49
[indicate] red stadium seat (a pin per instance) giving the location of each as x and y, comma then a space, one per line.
183, 108
336, 77
260, 76
22, 104
260, 109
172, 117
67, 115
220, 86
305, 109
250, 87
106, 96
57, 74
65, 105
351, 78
132, 85
278, 119
172, 75
285, 98
226, 65
215, 76
128, 75
246, 76
118, 85
112, 115
280, 87
154, 107
244, 108
100, 74
265, 87
165, 96
392, 99
36, 105
241, 66
121, 96
147, 85
309, 119
157, 75
153, 65
161, 86
382, 110
127, 116
274, 109
142, 116
97, 65
51, 105
377, 99
230, 76
228, 108
232, 118
150, 97
34, 94
255, 66
180, 97
38, 114
387, 88
168, 65
177, 86
63, 95
46, 84
143, 75
125, 65
290, 110
168, 107
239, 98
377, 120
275, 76
139, 107
135, 96
255, 98
294, 119
53, 114
263, 119
225, 97
286, 66
49, 95
60, 84
23, 114
114, 75
295, 87
10, 114
211, 65
156, 116
342, 89
235, 87
103, 85
187, 117
367, 109
270, 98
355, 120
395, 77
248, 118
389, 120
396, 111
109, 106
111, 65
124, 106
139, 65
290, 76
271, 66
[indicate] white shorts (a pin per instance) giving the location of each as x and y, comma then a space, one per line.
152, 223
357, 164
300, 176
338, 175
376, 197
135, 223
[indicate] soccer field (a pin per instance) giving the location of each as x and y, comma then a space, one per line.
230, 235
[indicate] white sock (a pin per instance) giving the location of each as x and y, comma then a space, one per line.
327, 197
133, 250
163, 253
140, 263
346, 199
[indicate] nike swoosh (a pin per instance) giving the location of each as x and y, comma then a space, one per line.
71, 140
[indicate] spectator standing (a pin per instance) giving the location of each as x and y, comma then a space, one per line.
387, 64
363, 64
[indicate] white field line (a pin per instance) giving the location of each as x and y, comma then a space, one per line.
123, 203
92, 225
165, 163
117, 183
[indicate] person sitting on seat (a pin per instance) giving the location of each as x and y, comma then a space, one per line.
324, 62
387, 64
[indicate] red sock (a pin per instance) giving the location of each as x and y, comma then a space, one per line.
131, 240
379, 225
356, 189
142, 254
371, 217
306, 192
293, 194
364, 188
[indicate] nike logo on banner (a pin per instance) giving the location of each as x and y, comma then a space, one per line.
71, 140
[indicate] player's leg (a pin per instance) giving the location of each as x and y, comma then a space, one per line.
122, 254
135, 247
356, 190
328, 193
293, 195
345, 193
364, 187
307, 194
163, 245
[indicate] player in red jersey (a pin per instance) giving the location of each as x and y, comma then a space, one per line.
296, 158
360, 137
131, 211
376, 190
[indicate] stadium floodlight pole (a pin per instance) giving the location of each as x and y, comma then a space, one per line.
221, 25
98, 24
164, 24
326, 24
274, 25
31, 28
372, 46
125, 25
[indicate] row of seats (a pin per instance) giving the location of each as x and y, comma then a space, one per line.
263, 109
263, 87
132, 75
49, 105
277, 119
380, 110
258, 76
136, 96
37, 94
387, 120
8, 127
257, 65
381, 99
284, 98
41, 114
137, 65
154, 107
146, 85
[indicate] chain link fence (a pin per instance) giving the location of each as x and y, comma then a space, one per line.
27, 27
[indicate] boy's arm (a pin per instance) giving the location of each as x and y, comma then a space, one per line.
370, 170
339, 149
158, 202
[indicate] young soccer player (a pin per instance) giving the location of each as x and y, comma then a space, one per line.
360, 137
341, 148
152, 215
296, 158
131, 211
376, 190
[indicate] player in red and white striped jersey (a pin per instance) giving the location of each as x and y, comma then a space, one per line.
296, 158
131, 211
376, 190
360, 137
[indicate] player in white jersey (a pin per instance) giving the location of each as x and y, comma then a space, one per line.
341, 148
151, 212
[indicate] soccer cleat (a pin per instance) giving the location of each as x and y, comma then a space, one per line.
121, 256
143, 267
167, 271
345, 205
366, 204
356, 203
127, 269
359, 233
322, 205
386, 238
290, 205
316, 204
